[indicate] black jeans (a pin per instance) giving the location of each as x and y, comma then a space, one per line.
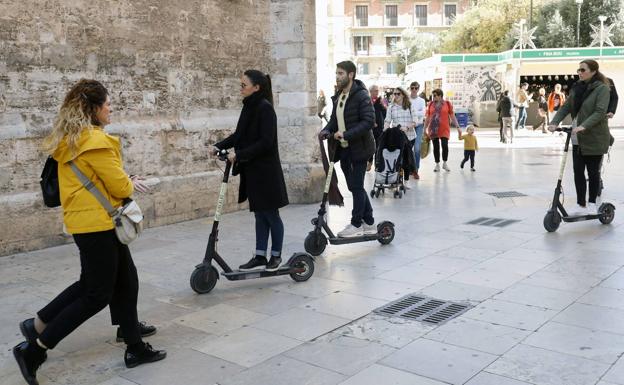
592, 163
107, 277
468, 154
354, 174
436, 149
269, 221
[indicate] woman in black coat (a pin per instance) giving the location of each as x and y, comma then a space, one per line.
256, 158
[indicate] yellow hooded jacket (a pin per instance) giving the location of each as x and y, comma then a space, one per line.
98, 156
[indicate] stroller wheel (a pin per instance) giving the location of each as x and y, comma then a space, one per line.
372, 193
400, 195
377, 194
396, 194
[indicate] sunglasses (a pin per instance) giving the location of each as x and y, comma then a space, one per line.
413, 88
398, 94
342, 98
581, 70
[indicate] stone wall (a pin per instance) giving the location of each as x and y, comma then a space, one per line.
173, 72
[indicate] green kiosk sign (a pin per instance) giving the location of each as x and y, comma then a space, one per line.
609, 52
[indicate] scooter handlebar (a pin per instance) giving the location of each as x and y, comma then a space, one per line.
221, 154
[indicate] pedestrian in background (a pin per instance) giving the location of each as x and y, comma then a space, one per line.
438, 120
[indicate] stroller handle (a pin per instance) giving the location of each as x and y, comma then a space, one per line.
565, 129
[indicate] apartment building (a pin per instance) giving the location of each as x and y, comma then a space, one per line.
373, 27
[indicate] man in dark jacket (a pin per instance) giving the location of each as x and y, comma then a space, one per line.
380, 116
351, 138
613, 99
504, 108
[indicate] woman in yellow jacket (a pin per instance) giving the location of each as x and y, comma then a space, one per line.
108, 275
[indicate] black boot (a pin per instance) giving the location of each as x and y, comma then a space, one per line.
29, 357
142, 353
256, 262
27, 327
274, 263
145, 330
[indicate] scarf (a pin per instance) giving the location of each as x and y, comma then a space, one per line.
581, 92
435, 119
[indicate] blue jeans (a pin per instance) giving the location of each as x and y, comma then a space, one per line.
269, 221
354, 174
522, 117
420, 128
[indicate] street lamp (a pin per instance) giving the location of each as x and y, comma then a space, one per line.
602, 20
578, 22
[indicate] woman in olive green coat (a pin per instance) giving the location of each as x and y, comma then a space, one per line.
587, 105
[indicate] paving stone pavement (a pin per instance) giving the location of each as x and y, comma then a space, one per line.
548, 308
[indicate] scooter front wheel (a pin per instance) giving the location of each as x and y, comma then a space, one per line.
315, 243
385, 231
607, 213
304, 265
552, 220
204, 279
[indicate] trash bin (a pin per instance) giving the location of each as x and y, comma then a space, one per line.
462, 117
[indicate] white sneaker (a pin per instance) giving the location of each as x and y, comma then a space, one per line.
445, 166
369, 229
437, 167
351, 231
406, 184
580, 210
592, 208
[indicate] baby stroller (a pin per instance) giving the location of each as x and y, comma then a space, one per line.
389, 162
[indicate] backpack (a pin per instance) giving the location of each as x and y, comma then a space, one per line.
50, 183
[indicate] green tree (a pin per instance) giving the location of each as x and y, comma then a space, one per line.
558, 33
590, 10
414, 46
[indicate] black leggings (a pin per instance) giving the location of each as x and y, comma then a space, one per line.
468, 154
436, 149
107, 277
580, 162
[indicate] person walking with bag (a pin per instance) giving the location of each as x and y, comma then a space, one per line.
108, 274
401, 112
439, 116
256, 158
588, 105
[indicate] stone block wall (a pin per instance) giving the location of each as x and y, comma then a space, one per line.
173, 72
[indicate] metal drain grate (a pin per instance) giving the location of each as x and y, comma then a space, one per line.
507, 194
495, 222
537, 164
424, 309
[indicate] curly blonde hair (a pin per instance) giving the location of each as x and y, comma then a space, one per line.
78, 112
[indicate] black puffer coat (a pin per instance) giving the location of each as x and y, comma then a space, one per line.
359, 116
257, 155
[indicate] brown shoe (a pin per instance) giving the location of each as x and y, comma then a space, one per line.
416, 176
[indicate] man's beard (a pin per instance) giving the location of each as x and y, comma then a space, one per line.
342, 84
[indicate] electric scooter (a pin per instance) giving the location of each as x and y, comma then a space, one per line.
316, 241
300, 266
557, 213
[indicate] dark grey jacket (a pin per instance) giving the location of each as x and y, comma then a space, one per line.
359, 116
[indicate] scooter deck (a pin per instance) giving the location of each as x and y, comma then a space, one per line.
578, 218
238, 275
346, 240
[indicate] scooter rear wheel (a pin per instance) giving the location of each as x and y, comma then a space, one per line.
552, 220
204, 279
306, 264
315, 243
386, 232
607, 213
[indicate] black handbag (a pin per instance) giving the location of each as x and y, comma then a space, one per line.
50, 183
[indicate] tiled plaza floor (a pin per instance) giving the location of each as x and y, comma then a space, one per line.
548, 307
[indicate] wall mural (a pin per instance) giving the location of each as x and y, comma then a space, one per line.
467, 85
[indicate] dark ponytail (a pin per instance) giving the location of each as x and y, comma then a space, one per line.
593, 66
263, 81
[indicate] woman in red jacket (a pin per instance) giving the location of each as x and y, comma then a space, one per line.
437, 126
